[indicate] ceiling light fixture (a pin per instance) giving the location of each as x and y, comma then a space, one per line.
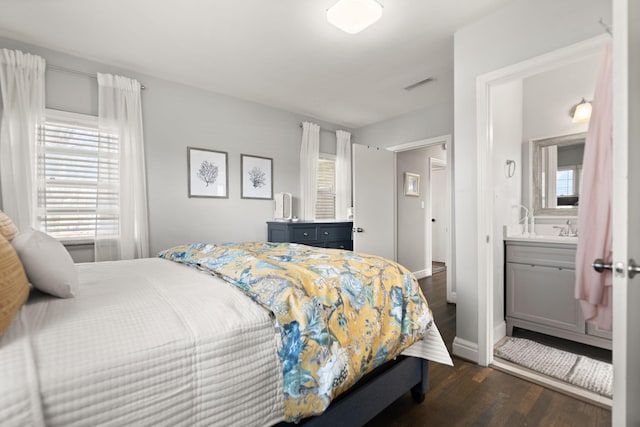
581, 112
353, 16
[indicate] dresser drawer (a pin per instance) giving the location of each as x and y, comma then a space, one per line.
304, 234
333, 233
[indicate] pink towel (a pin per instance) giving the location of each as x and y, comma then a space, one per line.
594, 221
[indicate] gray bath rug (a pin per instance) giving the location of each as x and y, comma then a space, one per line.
578, 370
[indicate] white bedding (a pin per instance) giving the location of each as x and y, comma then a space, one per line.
146, 342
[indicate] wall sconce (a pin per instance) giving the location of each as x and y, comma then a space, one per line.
581, 112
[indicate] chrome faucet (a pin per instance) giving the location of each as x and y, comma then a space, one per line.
525, 219
568, 231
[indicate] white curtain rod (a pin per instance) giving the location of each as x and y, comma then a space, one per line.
80, 73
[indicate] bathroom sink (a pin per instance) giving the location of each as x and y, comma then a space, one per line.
543, 238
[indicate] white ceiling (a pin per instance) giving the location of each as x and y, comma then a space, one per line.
281, 53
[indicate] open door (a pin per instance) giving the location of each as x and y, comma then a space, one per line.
626, 212
374, 203
439, 205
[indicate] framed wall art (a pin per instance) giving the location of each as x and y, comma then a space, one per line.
208, 173
411, 184
256, 177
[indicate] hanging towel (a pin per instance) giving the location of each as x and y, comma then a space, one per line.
594, 220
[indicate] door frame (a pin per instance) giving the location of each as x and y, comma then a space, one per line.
429, 142
626, 291
485, 237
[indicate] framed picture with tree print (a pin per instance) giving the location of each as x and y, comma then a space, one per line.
256, 177
208, 173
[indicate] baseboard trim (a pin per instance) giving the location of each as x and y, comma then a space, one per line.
421, 274
465, 349
452, 297
499, 332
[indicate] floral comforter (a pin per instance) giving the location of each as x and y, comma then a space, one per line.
340, 314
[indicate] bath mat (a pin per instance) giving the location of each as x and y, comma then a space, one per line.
580, 371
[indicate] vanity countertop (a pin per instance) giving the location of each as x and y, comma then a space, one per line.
542, 239
514, 234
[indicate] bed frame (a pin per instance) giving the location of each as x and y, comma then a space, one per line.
369, 396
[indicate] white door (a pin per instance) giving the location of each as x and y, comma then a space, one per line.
439, 211
374, 183
626, 212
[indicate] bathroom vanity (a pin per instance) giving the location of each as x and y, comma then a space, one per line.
539, 290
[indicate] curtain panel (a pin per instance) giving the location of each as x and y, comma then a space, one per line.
343, 174
122, 225
309, 152
594, 216
22, 105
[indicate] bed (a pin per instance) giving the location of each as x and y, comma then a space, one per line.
158, 342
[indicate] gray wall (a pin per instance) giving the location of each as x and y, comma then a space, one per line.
414, 126
412, 219
176, 116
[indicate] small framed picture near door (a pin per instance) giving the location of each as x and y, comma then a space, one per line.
208, 173
256, 179
411, 184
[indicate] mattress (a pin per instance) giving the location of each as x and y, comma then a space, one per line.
145, 342
148, 342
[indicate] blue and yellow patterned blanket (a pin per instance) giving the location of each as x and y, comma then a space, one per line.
340, 314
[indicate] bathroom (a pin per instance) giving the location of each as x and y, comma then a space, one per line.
536, 152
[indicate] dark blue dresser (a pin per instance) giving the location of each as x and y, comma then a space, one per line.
336, 235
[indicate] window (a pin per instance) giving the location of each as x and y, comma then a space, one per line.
74, 161
565, 182
326, 197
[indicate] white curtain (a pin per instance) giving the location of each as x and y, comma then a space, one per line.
22, 105
309, 152
122, 227
343, 174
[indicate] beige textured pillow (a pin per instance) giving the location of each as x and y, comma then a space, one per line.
47, 263
7, 227
14, 286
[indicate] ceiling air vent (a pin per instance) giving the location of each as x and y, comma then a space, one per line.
420, 83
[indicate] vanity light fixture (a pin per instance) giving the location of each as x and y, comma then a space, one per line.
353, 16
581, 113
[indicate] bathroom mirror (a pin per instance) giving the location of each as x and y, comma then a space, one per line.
556, 174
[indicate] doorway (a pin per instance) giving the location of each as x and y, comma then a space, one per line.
498, 106
414, 211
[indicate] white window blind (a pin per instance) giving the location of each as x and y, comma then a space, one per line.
74, 161
326, 199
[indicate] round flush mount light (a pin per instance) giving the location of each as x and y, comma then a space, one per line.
353, 16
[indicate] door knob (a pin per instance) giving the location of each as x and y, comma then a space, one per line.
358, 229
599, 265
633, 269
433, 220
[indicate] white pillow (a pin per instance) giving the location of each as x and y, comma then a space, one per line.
48, 265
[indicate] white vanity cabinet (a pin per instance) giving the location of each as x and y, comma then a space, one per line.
540, 280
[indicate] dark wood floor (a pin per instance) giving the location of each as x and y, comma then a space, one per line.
470, 395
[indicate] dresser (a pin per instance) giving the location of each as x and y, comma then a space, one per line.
331, 234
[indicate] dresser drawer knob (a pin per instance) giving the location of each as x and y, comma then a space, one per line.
326, 233
305, 234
